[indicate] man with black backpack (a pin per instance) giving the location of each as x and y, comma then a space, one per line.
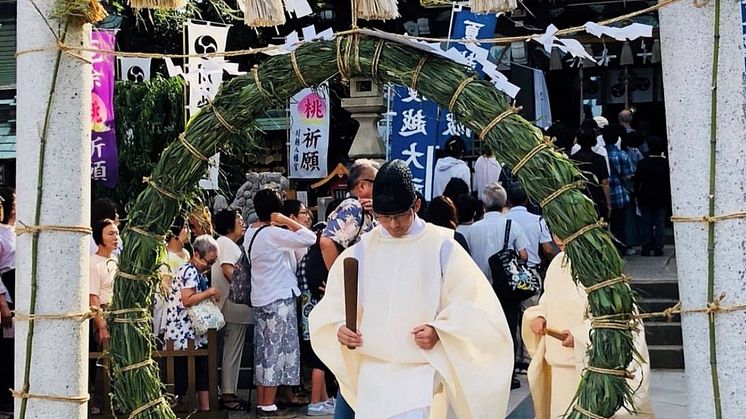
499, 249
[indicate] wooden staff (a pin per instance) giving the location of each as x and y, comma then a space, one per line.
556, 334
351, 280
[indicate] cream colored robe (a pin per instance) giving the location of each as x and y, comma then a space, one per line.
421, 278
555, 371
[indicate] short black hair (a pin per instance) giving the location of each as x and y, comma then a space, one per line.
586, 139
8, 197
98, 229
563, 135
455, 187
465, 208
103, 208
267, 201
656, 145
291, 207
225, 221
175, 228
455, 147
516, 194
611, 134
442, 212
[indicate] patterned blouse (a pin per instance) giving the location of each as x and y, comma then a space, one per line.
178, 325
343, 225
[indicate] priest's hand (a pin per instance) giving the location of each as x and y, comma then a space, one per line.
569, 342
425, 336
347, 337
367, 204
538, 326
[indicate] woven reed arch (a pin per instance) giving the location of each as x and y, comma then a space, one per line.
548, 177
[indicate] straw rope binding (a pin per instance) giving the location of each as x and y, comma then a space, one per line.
161, 190
376, 58
191, 148
607, 283
708, 219
534, 151
141, 231
554, 195
589, 227
459, 90
146, 407
133, 277
499, 118
417, 70
587, 413
343, 71
136, 366
55, 398
617, 373
258, 83
296, 68
36, 229
220, 117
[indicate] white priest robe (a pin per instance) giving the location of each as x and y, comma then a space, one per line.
424, 277
555, 371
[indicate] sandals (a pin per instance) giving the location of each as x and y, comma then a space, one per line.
294, 401
234, 404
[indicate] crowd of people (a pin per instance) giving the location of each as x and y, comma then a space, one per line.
486, 213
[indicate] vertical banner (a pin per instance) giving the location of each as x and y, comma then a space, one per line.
468, 25
542, 110
309, 133
205, 74
134, 69
414, 135
104, 159
204, 38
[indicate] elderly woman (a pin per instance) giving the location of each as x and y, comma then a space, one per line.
274, 289
189, 288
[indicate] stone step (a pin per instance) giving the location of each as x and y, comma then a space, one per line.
663, 333
659, 289
666, 356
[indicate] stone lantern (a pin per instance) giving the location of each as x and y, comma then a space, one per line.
366, 103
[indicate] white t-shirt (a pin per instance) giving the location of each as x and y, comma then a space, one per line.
7, 248
228, 254
486, 170
102, 277
536, 231
272, 275
486, 238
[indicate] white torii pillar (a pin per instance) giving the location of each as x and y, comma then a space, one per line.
687, 50
59, 360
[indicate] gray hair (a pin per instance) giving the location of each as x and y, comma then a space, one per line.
362, 168
625, 116
204, 244
495, 197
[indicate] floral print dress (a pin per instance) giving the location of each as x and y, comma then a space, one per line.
178, 325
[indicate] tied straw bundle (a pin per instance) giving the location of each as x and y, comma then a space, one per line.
543, 172
377, 9
263, 13
492, 6
84, 11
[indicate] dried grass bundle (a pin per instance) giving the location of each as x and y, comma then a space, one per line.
263, 13
492, 6
377, 9
157, 4
86, 11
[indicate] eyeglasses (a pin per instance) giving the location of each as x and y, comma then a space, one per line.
399, 218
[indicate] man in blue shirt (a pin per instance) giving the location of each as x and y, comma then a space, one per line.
619, 198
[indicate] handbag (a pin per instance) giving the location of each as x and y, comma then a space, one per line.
511, 279
206, 315
240, 292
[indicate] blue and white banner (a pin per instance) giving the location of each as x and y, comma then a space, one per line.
414, 135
